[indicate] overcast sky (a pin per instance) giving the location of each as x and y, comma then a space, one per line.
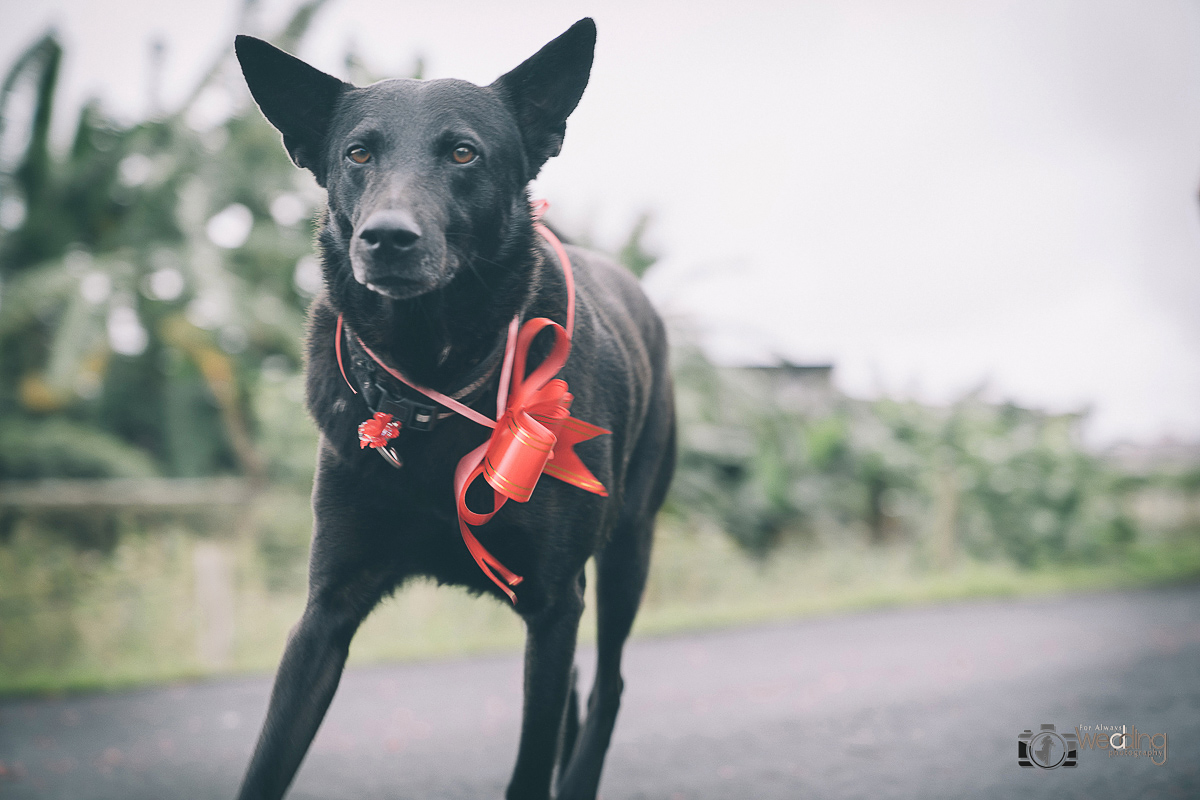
933, 196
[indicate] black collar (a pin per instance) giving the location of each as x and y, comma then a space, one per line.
413, 410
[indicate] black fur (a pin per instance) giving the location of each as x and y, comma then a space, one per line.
428, 259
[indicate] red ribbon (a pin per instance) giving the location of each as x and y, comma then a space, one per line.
535, 428
534, 433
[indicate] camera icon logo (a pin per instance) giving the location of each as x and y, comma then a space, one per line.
1047, 749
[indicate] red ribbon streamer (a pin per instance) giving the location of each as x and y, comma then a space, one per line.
534, 433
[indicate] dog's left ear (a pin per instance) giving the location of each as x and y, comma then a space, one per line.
544, 90
297, 99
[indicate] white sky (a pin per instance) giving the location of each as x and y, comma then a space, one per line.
930, 195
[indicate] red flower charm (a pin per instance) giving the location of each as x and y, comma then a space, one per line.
377, 431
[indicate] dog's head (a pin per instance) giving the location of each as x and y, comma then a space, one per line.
423, 177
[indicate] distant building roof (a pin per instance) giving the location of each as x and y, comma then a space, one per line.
792, 367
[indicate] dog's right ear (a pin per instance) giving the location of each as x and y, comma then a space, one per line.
297, 99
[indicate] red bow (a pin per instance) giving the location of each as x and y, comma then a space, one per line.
536, 427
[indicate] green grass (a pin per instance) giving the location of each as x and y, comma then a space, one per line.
701, 581
78, 620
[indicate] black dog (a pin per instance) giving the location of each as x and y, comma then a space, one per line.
430, 251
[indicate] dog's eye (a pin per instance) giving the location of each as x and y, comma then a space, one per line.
359, 155
464, 154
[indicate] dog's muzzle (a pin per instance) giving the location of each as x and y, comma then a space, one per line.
387, 254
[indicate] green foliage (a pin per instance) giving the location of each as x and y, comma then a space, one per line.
146, 275
60, 448
633, 254
775, 455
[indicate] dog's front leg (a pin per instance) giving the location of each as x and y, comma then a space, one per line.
346, 579
549, 654
308, 675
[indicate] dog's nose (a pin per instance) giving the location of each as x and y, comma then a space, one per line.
390, 230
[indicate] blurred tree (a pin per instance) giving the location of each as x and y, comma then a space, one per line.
633, 254
988, 480
147, 274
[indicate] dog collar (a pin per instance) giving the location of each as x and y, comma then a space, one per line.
396, 408
533, 422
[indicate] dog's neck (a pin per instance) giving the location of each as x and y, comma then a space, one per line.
442, 338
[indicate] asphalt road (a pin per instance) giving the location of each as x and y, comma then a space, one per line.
893, 704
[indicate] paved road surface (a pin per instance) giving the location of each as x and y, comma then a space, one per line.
893, 704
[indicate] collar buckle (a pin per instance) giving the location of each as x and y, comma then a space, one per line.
409, 413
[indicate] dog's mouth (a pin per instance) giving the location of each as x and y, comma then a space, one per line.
398, 275
398, 279
395, 288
